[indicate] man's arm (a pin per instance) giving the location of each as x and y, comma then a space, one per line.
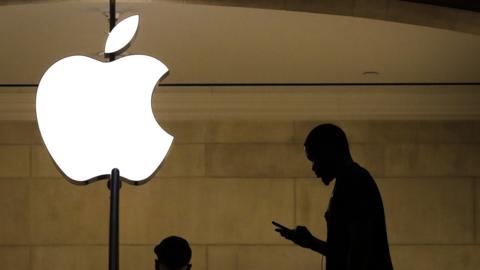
302, 237
319, 246
360, 248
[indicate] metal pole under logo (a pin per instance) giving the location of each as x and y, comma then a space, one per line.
114, 183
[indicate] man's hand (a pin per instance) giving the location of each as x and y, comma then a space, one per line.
300, 235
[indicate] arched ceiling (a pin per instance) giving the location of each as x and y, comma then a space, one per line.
220, 44
457, 15
212, 44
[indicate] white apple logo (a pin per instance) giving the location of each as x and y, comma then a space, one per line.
95, 116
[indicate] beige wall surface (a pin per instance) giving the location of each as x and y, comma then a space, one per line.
225, 181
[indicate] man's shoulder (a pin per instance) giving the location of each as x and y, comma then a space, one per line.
358, 178
360, 171
359, 191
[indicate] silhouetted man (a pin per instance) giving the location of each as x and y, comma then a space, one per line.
173, 253
356, 231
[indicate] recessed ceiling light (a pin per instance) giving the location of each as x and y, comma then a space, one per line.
371, 73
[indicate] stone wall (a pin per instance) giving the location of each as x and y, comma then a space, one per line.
225, 181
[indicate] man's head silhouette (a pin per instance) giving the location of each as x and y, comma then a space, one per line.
173, 253
326, 146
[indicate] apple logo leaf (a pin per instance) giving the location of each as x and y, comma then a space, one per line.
122, 34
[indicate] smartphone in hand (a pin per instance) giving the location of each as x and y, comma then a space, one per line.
280, 226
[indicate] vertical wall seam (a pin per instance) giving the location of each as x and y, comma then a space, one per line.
30, 258
206, 257
383, 154
292, 138
295, 201
205, 160
30, 161
474, 187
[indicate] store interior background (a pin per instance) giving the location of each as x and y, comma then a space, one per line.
237, 161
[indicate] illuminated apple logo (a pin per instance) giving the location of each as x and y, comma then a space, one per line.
95, 116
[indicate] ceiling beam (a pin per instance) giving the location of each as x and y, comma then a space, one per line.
289, 103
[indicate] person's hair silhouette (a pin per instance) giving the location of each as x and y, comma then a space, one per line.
356, 231
327, 147
173, 253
